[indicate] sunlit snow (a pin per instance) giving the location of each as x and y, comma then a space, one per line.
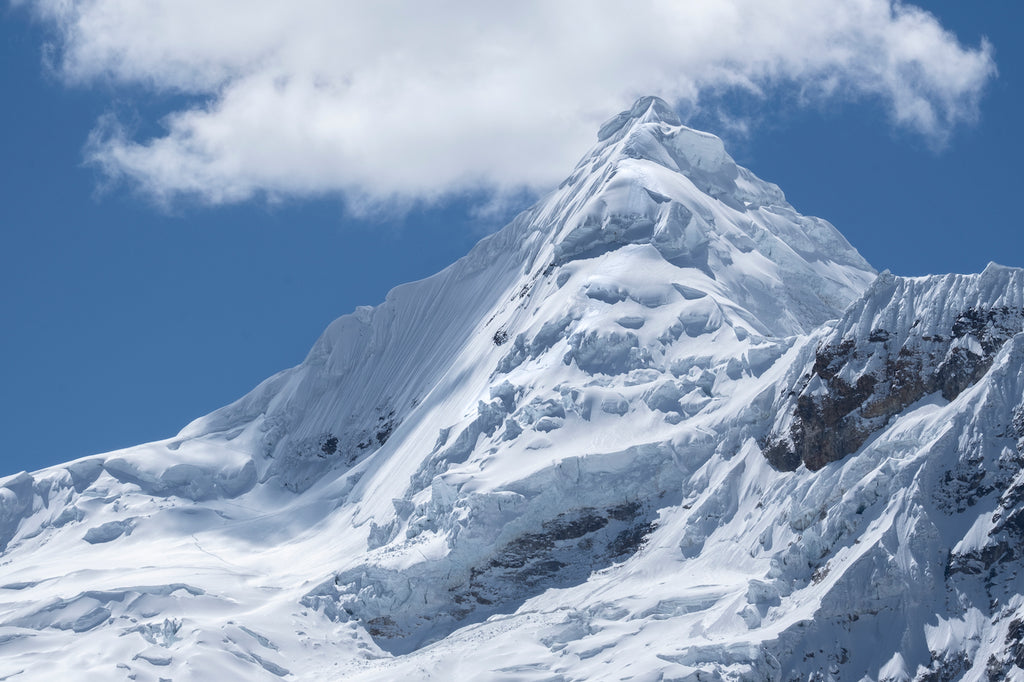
551, 461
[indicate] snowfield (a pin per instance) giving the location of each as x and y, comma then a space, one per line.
660, 427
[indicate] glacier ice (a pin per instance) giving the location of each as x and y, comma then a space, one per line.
661, 426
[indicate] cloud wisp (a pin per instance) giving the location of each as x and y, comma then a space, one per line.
416, 101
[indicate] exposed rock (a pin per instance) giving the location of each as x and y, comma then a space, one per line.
855, 386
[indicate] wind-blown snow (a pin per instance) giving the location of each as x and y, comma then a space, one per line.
580, 452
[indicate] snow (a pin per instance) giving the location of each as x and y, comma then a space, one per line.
545, 462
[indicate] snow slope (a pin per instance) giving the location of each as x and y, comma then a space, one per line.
661, 426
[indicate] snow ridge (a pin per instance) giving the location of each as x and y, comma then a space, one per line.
661, 426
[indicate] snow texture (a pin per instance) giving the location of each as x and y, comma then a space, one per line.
661, 426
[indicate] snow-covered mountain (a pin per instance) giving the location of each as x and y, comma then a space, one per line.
661, 426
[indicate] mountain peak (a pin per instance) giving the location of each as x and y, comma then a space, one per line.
636, 411
652, 181
651, 131
647, 109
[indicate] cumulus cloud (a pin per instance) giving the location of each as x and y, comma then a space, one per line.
415, 101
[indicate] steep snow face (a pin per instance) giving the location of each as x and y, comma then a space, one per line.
662, 209
590, 449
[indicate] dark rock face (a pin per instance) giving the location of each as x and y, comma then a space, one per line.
403, 613
1000, 667
566, 549
855, 386
1005, 538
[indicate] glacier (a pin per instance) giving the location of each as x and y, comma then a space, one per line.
662, 426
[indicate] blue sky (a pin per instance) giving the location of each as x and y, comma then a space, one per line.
133, 302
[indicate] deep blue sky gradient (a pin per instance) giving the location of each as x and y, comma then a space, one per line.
122, 322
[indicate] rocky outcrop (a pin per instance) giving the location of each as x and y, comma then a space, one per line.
859, 381
404, 611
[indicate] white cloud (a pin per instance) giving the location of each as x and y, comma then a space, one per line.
417, 100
